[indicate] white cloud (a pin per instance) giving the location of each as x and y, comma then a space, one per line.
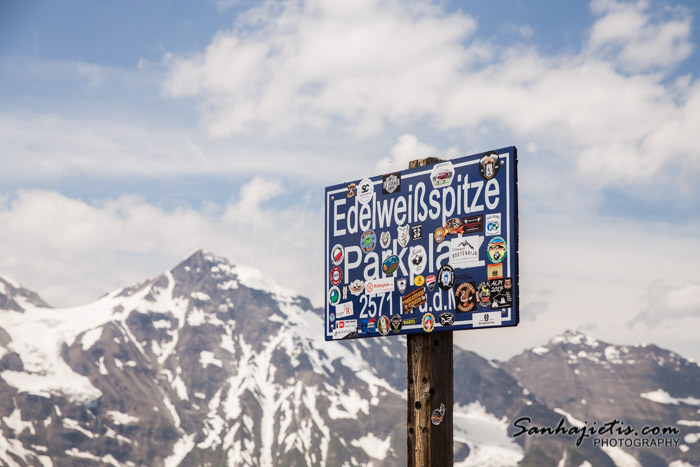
637, 40
71, 251
370, 64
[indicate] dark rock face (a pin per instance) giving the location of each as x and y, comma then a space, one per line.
215, 364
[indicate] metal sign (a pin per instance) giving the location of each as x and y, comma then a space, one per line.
429, 249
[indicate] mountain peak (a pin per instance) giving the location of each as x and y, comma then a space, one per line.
574, 337
203, 264
17, 298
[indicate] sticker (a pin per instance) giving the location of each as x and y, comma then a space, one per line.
483, 294
345, 292
495, 271
486, 319
408, 322
416, 232
352, 189
390, 265
402, 235
417, 259
428, 322
396, 323
343, 310
379, 286
473, 224
357, 286
365, 190
489, 165
419, 281
413, 299
439, 235
438, 415
401, 284
496, 249
493, 224
430, 282
447, 319
331, 316
336, 276
465, 297
391, 183
337, 254
501, 293
454, 226
464, 252
367, 326
368, 240
345, 329
446, 277
385, 239
383, 326
334, 295
442, 174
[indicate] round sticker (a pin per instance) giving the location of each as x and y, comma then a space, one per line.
368, 241
365, 190
446, 277
496, 250
417, 259
337, 254
396, 323
465, 297
336, 276
383, 326
420, 280
331, 317
390, 265
439, 235
428, 322
447, 319
334, 295
483, 294
489, 165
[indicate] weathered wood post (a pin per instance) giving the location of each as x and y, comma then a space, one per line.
430, 391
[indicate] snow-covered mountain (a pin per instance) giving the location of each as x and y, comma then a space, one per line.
213, 363
587, 379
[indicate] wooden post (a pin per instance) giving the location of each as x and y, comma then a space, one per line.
430, 388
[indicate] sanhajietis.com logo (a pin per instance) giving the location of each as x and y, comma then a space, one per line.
614, 433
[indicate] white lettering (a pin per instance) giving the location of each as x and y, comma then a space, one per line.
492, 189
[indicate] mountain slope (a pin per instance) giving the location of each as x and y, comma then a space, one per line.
637, 385
213, 363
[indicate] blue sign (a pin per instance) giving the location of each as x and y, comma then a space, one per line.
429, 249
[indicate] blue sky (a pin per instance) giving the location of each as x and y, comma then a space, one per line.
134, 133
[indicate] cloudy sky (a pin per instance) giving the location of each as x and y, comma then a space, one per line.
133, 133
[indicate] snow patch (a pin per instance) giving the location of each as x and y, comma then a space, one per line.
692, 438
207, 358
620, 457
120, 418
662, 397
200, 296
196, 317
688, 422
486, 436
91, 337
16, 424
570, 418
375, 448
540, 350
612, 355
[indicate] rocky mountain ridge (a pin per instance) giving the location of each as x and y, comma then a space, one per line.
213, 363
